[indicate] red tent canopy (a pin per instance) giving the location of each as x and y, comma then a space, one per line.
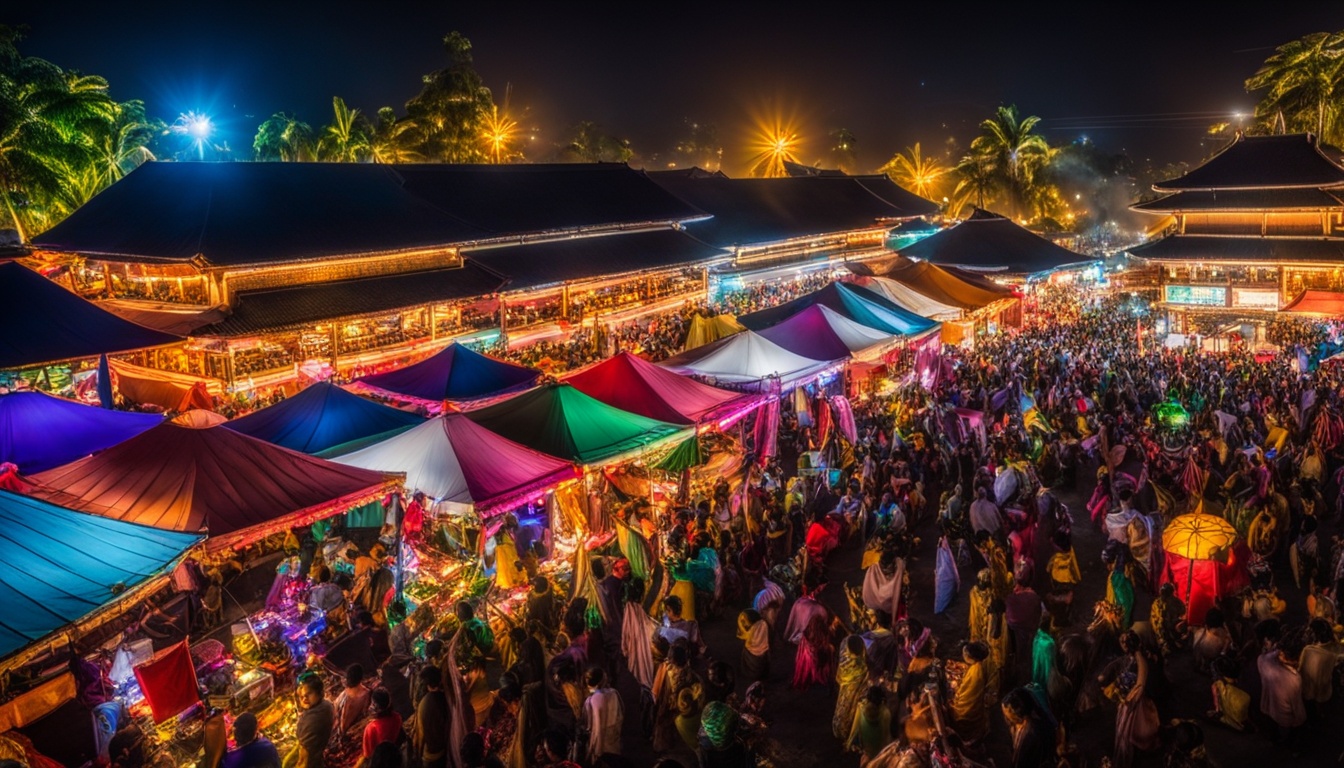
638, 386
208, 478
1317, 303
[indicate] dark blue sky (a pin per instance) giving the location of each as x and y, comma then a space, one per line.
1148, 81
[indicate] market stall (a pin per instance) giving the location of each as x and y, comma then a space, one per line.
456, 373
633, 384
39, 431
324, 417
749, 361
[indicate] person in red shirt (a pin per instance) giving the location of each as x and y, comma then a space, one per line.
384, 724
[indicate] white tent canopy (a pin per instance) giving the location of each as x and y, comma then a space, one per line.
911, 299
749, 359
863, 341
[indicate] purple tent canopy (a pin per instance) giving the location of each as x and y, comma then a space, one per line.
455, 373
39, 432
808, 334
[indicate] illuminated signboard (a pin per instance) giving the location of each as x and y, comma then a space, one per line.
1255, 298
1199, 295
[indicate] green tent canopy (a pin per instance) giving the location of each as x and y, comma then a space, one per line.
686, 455
562, 421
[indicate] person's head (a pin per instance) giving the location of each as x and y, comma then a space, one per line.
432, 678
1017, 705
473, 749
1321, 631
594, 678
433, 649
555, 744
1213, 618
875, 697
1268, 631
1167, 589
323, 574
354, 675
311, 691
245, 729
540, 584
721, 673
679, 655
1129, 642
912, 628
364, 620
854, 645
599, 567
1225, 667
975, 651
1187, 737
464, 611
380, 701
672, 606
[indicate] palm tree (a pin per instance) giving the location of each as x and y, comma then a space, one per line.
975, 182
393, 140
844, 148
123, 146
1014, 154
451, 107
45, 119
346, 140
915, 172
1303, 81
285, 138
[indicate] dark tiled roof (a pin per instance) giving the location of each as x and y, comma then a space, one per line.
988, 241
274, 309
538, 264
254, 213
1249, 249
522, 199
758, 211
260, 213
1309, 198
899, 196
1253, 162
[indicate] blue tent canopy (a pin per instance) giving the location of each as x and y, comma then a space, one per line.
456, 373
321, 417
61, 566
45, 323
858, 304
40, 432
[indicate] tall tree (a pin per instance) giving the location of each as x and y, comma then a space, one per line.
916, 173
1014, 154
393, 140
975, 183
346, 139
588, 143
284, 138
700, 146
46, 117
452, 107
844, 149
1303, 83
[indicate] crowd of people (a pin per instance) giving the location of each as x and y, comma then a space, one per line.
1038, 470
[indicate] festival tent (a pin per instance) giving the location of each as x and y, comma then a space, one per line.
45, 323
1319, 303
939, 284
188, 475
39, 431
747, 360
560, 420
858, 304
821, 333
451, 458
455, 373
168, 390
1203, 560
62, 566
638, 386
321, 417
703, 329
902, 294
987, 241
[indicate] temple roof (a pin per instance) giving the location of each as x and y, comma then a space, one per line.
236, 214
758, 211
279, 308
987, 241
1257, 162
539, 264
1291, 199
1248, 249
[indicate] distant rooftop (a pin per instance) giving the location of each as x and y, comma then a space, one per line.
1257, 162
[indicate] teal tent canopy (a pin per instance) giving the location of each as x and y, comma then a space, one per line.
559, 420
61, 566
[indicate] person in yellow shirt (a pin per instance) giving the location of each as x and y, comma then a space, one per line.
1064, 576
1231, 705
981, 595
969, 712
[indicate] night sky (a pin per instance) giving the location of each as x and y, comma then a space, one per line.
1148, 82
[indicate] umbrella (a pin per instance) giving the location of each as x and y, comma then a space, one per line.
1198, 536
